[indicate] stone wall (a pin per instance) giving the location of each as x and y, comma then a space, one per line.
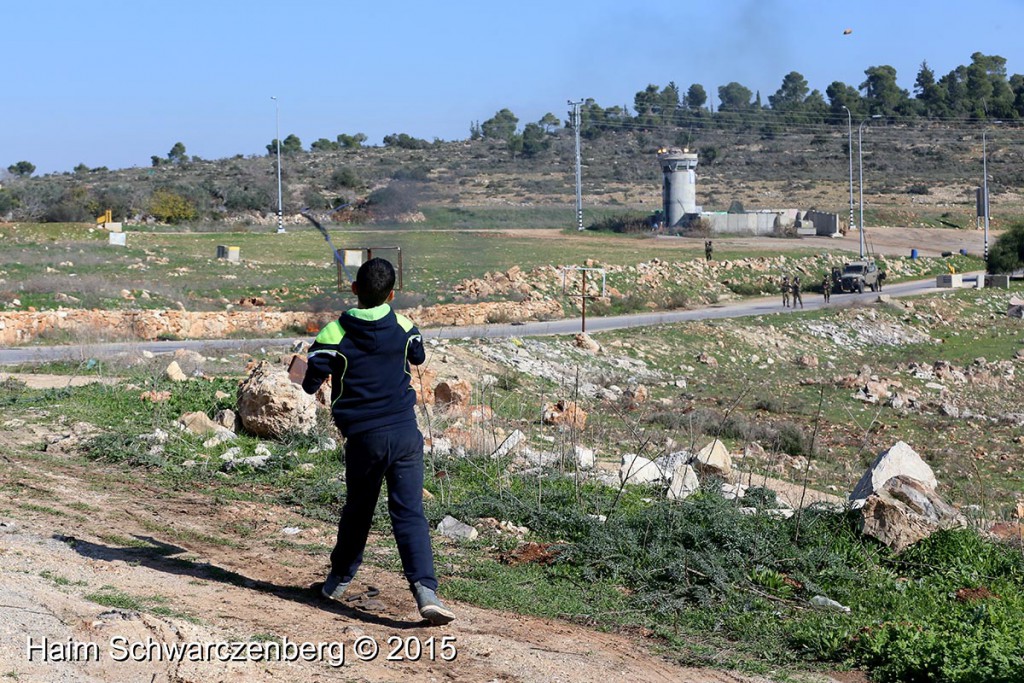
90, 326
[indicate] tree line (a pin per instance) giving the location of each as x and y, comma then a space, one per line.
977, 92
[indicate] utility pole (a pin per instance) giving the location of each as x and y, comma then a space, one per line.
984, 190
849, 128
860, 155
579, 170
280, 208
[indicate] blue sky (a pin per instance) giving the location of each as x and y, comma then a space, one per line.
110, 83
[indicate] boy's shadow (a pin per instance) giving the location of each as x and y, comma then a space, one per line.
159, 556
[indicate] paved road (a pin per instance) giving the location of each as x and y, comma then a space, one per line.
747, 307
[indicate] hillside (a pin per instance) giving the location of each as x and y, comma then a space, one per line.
914, 174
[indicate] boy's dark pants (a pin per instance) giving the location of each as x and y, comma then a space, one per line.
394, 454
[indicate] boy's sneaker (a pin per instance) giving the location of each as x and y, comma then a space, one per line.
431, 607
334, 587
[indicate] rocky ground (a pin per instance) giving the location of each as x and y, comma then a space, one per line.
93, 565
91, 551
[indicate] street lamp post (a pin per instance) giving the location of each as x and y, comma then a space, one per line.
860, 161
280, 206
849, 129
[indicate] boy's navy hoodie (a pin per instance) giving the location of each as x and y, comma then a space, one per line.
367, 352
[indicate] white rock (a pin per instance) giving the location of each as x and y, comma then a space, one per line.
174, 372
438, 445
636, 469
219, 438
511, 442
453, 528
733, 491
783, 513
900, 459
713, 459
158, 436
585, 458
821, 602
671, 462
271, 405
257, 462
540, 458
684, 483
330, 444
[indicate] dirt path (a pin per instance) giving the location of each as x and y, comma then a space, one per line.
224, 571
880, 240
43, 381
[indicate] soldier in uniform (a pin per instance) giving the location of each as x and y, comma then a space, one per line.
796, 292
826, 286
785, 287
708, 249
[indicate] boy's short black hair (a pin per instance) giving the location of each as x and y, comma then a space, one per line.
374, 281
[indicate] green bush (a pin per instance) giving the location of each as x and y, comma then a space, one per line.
170, 207
344, 177
622, 224
1007, 254
7, 201
247, 198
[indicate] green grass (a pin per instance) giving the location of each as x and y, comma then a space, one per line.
296, 271
109, 596
60, 580
724, 588
42, 509
185, 535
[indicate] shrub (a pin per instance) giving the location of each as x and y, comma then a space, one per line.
345, 177
74, 206
1007, 254
248, 198
7, 202
417, 173
170, 207
622, 224
394, 200
312, 199
405, 141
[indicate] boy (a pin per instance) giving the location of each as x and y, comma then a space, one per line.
367, 352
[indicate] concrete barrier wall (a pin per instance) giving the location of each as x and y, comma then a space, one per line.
825, 224
748, 223
768, 221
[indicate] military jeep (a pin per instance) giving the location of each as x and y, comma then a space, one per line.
857, 276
